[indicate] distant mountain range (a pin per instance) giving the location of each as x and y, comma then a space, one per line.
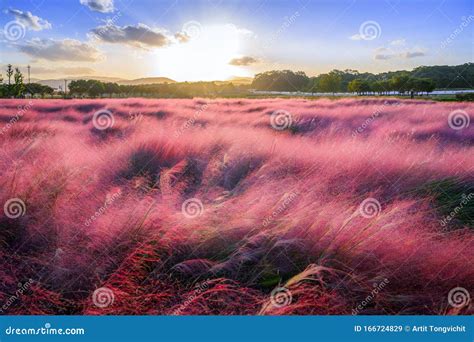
59, 83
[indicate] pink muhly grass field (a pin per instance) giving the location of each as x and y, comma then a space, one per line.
200, 206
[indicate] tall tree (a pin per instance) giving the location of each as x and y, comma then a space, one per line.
330, 82
18, 87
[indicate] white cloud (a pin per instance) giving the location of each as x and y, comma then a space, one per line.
398, 42
412, 54
104, 6
57, 50
397, 49
243, 61
381, 56
29, 20
139, 35
356, 37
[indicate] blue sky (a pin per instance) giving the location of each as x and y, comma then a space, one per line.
217, 39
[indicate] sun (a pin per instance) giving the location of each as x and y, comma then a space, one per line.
205, 57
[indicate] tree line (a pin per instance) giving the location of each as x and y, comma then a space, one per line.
94, 88
419, 80
14, 85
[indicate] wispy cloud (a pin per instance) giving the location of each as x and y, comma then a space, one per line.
60, 50
104, 6
139, 35
397, 49
356, 37
243, 61
398, 42
412, 54
79, 70
30, 21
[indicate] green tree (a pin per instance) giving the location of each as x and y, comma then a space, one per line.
18, 87
330, 82
36, 88
9, 75
400, 83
